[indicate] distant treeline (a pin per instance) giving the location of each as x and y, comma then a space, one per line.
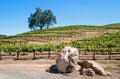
1, 36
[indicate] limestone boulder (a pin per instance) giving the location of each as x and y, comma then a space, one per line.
88, 71
67, 60
93, 65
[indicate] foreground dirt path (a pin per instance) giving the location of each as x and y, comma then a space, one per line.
27, 69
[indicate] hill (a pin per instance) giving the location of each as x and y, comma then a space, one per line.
1, 36
113, 26
93, 39
64, 33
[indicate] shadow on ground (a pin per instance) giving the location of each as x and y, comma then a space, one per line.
53, 69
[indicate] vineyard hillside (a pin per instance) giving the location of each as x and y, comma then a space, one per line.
64, 33
100, 43
93, 39
113, 26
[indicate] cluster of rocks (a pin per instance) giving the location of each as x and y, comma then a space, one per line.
67, 62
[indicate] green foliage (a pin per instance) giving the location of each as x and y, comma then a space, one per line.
32, 48
8, 42
1, 48
40, 48
41, 18
61, 46
17, 49
101, 43
49, 47
25, 48
49, 18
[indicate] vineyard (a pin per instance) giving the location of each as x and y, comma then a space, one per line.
93, 42
62, 34
107, 43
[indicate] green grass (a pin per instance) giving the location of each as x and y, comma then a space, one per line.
109, 62
111, 68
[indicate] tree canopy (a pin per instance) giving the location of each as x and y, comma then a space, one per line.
40, 19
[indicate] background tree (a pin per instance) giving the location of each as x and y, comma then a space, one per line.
35, 19
40, 18
49, 18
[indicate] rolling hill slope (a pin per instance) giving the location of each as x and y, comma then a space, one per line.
64, 34
113, 26
2, 36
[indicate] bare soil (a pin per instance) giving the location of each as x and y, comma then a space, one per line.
36, 69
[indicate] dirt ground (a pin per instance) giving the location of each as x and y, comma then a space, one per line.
36, 69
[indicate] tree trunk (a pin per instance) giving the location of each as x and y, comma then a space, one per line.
40, 27
0, 56
33, 55
97, 51
14, 44
110, 53
47, 26
79, 52
85, 52
18, 55
20, 43
94, 55
49, 54
24, 53
10, 53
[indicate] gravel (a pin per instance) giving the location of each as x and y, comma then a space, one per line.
37, 71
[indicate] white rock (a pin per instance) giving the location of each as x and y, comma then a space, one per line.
89, 72
67, 60
93, 65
